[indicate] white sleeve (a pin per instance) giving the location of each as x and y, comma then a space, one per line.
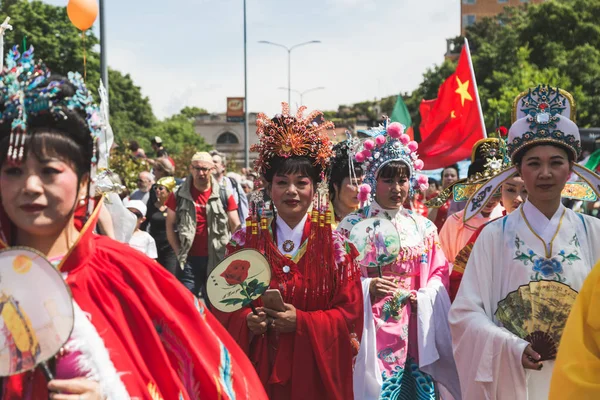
487, 356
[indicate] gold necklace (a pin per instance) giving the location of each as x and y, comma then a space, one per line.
547, 249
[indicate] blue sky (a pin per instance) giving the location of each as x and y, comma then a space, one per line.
190, 52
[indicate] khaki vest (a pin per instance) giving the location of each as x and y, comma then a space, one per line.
217, 223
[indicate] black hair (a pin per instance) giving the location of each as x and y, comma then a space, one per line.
394, 169
293, 165
340, 168
433, 181
134, 145
376, 223
62, 133
454, 167
161, 153
518, 157
476, 167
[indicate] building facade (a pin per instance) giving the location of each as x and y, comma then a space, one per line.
472, 11
227, 137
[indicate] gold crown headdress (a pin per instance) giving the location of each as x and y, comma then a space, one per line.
287, 136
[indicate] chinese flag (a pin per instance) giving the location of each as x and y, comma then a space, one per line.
452, 123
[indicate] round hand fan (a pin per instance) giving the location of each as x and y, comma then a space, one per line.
36, 311
238, 280
377, 241
537, 312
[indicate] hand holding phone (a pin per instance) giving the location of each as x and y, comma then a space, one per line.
272, 299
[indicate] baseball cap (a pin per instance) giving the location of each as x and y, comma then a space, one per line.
204, 158
157, 140
137, 205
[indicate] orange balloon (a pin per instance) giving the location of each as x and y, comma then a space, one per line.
82, 13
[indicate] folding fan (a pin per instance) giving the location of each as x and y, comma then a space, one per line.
537, 312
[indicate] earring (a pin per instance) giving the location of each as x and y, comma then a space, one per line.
82, 201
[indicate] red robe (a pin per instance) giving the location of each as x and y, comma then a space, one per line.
315, 362
165, 344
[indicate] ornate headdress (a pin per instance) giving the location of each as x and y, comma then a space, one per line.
492, 155
390, 144
26, 91
288, 136
342, 162
543, 117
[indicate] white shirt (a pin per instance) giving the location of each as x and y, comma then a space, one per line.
142, 241
544, 227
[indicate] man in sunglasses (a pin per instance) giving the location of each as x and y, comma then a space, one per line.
199, 224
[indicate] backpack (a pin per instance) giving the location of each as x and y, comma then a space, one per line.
224, 197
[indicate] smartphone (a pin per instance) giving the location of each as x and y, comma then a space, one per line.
272, 299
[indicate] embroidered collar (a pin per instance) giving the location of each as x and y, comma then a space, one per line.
285, 234
376, 210
545, 228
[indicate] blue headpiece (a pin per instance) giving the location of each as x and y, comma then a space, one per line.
24, 91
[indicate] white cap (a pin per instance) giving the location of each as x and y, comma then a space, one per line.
137, 205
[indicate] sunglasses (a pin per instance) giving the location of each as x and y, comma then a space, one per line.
201, 169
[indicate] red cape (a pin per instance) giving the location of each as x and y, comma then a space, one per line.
165, 344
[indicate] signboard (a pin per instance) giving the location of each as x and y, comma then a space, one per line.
235, 109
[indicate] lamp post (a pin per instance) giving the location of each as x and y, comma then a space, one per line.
302, 93
103, 49
289, 50
246, 138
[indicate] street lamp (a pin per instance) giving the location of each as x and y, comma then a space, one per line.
246, 139
103, 48
289, 50
302, 93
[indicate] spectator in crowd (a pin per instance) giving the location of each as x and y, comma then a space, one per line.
198, 225
145, 181
433, 190
162, 168
141, 240
228, 183
248, 186
157, 145
439, 215
158, 223
136, 150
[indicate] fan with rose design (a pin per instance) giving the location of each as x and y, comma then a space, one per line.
537, 312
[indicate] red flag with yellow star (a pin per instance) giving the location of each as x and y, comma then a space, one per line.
452, 123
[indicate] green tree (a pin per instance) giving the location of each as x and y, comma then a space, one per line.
555, 42
131, 115
178, 133
192, 112
56, 41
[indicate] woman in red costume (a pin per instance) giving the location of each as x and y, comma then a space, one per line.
307, 351
137, 332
